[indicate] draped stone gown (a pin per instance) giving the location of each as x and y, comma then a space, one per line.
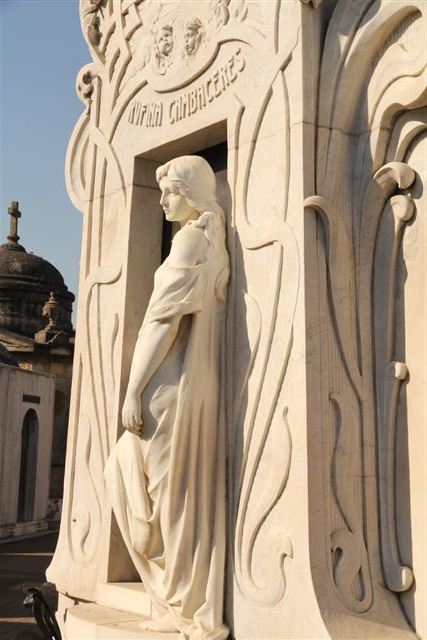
167, 487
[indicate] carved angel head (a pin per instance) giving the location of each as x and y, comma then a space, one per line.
193, 35
163, 39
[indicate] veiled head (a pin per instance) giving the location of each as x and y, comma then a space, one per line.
193, 178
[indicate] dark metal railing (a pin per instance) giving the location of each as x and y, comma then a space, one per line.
42, 613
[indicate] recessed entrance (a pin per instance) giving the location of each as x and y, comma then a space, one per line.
28, 467
150, 241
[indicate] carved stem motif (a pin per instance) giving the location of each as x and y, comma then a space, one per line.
357, 410
377, 71
278, 338
398, 577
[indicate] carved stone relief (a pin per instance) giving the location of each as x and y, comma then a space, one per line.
358, 182
163, 38
259, 419
311, 3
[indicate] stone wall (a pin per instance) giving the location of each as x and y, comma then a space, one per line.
24, 395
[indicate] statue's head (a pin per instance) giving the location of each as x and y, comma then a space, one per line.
164, 39
193, 34
188, 188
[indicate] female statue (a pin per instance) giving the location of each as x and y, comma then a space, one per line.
166, 473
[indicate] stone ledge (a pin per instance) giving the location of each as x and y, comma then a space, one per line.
131, 596
96, 622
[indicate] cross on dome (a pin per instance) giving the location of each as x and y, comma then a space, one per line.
14, 213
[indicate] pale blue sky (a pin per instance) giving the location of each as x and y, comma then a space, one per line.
41, 51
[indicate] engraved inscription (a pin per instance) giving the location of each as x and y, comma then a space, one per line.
26, 397
150, 114
146, 114
198, 98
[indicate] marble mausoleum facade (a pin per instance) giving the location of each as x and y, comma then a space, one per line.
313, 116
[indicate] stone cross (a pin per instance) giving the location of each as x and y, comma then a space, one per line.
14, 213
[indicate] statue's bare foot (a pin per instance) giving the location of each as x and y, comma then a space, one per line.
165, 624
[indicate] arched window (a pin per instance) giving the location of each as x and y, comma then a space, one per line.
60, 423
28, 467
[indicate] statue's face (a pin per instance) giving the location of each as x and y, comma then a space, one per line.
190, 41
165, 42
175, 206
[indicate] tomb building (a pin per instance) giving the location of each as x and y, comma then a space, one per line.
35, 326
312, 115
26, 427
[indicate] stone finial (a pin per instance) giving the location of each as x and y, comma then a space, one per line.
14, 213
57, 330
51, 311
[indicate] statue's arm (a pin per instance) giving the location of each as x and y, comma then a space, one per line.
156, 337
154, 341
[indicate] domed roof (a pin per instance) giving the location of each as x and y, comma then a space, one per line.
23, 266
26, 283
26, 268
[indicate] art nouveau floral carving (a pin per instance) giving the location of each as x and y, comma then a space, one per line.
129, 36
264, 416
354, 186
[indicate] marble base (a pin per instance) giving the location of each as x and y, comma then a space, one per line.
94, 621
130, 596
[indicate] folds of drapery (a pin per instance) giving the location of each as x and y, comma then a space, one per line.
167, 489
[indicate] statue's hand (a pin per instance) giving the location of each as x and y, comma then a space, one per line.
132, 413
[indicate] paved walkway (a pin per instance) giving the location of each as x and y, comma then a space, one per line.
23, 563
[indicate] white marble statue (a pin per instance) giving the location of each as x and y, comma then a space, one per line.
165, 476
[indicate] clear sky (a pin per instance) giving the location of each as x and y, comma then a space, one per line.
41, 50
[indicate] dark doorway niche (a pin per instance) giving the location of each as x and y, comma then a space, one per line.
217, 158
28, 467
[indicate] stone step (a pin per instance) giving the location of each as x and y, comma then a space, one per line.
96, 622
127, 596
